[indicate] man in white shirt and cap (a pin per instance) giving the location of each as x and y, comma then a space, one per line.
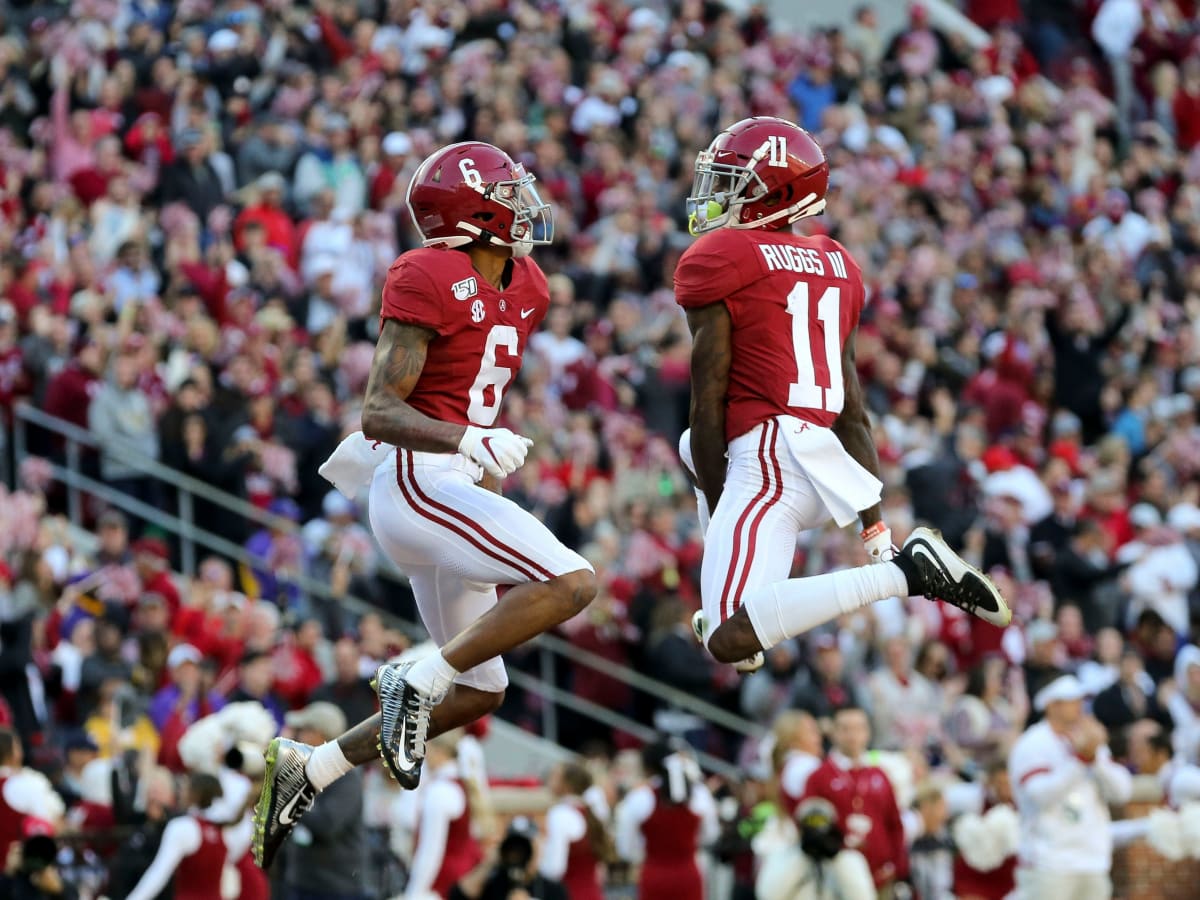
1064, 781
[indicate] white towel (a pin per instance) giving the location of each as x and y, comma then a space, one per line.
843, 485
350, 467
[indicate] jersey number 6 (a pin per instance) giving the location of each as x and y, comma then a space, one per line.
488, 389
805, 392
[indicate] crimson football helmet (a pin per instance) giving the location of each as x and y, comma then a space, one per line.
761, 172
473, 191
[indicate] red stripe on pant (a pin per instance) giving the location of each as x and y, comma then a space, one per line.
471, 523
726, 595
736, 600
412, 490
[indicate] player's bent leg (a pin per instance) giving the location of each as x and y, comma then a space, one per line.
750, 542
409, 694
734, 640
296, 773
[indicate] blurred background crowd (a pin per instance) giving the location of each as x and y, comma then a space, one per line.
198, 201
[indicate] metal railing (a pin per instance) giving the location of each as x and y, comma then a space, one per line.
193, 536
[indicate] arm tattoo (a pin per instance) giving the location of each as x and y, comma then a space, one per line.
853, 426
387, 417
712, 351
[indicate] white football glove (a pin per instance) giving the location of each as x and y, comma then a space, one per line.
498, 450
878, 541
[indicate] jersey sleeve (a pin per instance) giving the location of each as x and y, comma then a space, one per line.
707, 272
409, 296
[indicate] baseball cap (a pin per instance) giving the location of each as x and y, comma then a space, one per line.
80, 740
337, 504
396, 143
223, 40
285, 507
1143, 515
1066, 687
183, 653
270, 181
1039, 631
320, 716
150, 546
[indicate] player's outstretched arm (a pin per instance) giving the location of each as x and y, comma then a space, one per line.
711, 353
387, 417
853, 427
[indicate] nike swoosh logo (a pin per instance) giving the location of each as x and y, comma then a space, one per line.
285, 814
526, 313
933, 558
487, 445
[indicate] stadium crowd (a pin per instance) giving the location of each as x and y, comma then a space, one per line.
198, 201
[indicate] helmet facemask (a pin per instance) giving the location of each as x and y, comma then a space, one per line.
533, 219
720, 190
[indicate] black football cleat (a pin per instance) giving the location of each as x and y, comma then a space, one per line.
935, 571
404, 714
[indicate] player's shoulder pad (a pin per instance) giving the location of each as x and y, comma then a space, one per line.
430, 261
713, 267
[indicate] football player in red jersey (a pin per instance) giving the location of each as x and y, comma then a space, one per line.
456, 318
780, 441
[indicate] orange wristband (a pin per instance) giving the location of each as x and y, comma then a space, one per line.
873, 531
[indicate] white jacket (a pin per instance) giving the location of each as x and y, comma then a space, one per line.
1063, 802
788, 874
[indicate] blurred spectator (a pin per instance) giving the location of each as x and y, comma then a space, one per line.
817, 867
828, 688
1131, 698
931, 856
255, 677
863, 798
905, 704
1064, 780
349, 690
328, 854
181, 702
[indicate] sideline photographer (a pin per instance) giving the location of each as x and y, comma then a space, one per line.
511, 874
818, 867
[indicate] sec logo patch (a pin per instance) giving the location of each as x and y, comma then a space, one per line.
465, 289
477, 311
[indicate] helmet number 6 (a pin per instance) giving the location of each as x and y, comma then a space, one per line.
470, 174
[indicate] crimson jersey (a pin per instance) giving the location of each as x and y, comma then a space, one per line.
481, 331
867, 811
199, 875
793, 302
672, 836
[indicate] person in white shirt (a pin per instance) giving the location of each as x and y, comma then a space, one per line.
446, 848
818, 866
1064, 780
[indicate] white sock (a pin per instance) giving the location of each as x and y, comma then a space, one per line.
789, 608
327, 764
432, 675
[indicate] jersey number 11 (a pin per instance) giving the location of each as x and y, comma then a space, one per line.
804, 392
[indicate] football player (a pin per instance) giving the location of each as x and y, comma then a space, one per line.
780, 441
456, 318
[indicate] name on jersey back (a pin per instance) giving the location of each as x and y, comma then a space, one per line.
803, 260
